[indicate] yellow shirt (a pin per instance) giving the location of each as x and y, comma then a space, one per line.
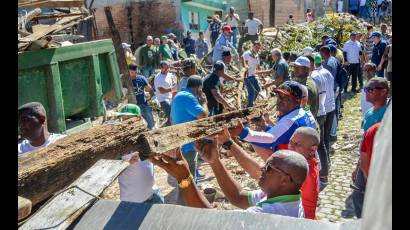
339, 56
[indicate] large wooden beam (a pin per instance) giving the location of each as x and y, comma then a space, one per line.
44, 172
50, 3
116, 40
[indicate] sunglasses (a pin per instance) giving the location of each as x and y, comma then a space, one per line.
371, 89
270, 166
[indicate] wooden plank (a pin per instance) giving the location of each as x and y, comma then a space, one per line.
64, 208
162, 140
50, 3
108, 214
24, 207
46, 171
40, 33
58, 16
30, 15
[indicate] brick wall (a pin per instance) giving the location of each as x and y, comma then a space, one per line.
260, 8
148, 18
285, 7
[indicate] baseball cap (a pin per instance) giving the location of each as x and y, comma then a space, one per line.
164, 37
332, 48
353, 33
227, 28
308, 50
290, 88
125, 45
219, 65
188, 63
130, 110
302, 61
318, 59
377, 82
377, 34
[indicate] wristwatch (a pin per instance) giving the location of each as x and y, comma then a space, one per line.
227, 145
186, 182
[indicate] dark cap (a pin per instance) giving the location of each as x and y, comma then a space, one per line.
194, 81
132, 67
332, 48
219, 65
290, 88
188, 63
226, 53
379, 82
376, 34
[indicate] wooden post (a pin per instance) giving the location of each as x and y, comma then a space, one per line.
126, 80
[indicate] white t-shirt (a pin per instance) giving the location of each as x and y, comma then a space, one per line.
253, 62
165, 81
25, 146
330, 103
352, 49
233, 22
253, 26
288, 205
137, 181
320, 82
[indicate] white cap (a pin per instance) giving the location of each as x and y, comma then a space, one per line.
125, 45
307, 51
302, 61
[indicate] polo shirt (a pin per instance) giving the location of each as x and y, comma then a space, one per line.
372, 117
353, 50
277, 137
185, 107
378, 51
281, 68
253, 62
253, 26
286, 205
320, 83
310, 189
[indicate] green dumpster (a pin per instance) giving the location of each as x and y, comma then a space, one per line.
70, 81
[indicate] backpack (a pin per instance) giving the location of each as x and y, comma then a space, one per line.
342, 76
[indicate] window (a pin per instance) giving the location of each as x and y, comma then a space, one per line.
193, 20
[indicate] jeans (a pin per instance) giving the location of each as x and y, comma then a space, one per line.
328, 126
323, 154
358, 196
166, 107
146, 113
148, 70
252, 86
354, 71
156, 198
244, 39
192, 159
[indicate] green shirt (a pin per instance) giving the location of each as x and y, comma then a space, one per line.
165, 51
313, 97
149, 56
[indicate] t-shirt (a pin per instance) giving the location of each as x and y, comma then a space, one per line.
330, 103
339, 56
149, 55
378, 51
310, 189
313, 97
189, 44
25, 146
352, 49
215, 28
165, 51
372, 117
165, 81
253, 62
232, 22
183, 82
137, 181
281, 68
354, 4
185, 107
222, 43
286, 205
331, 65
139, 84
201, 47
368, 140
253, 26
211, 82
320, 83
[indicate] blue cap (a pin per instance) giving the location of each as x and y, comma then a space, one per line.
377, 34
332, 48
219, 65
330, 41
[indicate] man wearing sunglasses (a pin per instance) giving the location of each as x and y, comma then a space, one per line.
369, 71
377, 91
280, 181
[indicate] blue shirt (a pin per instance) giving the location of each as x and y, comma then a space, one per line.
189, 44
185, 107
354, 4
371, 117
378, 51
221, 44
139, 83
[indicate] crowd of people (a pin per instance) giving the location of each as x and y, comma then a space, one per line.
294, 141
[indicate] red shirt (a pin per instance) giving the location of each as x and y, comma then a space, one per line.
368, 139
310, 189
